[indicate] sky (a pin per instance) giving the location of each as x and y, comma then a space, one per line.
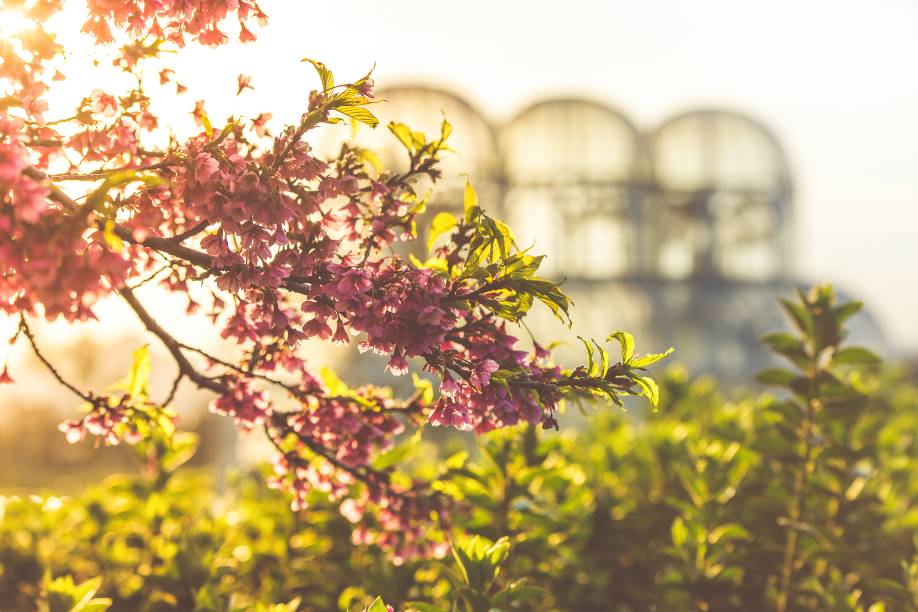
835, 81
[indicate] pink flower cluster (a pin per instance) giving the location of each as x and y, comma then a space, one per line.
400, 309
48, 257
25, 197
475, 402
402, 523
288, 248
248, 406
352, 432
172, 20
299, 478
112, 418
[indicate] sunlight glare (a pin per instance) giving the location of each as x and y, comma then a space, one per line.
13, 22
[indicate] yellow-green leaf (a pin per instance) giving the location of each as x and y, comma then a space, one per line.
446, 129
403, 133
371, 158
334, 384
650, 358
469, 200
650, 389
441, 224
140, 372
112, 239
326, 76
359, 113
627, 342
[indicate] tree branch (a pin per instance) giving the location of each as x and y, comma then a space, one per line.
24, 327
169, 246
172, 345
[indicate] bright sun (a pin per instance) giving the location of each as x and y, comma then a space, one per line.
12, 22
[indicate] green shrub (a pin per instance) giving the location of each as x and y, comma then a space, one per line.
799, 500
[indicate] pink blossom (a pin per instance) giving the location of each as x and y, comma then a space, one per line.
367, 87
12, 162
482, 371
447, 414
73, 431
104, 103
351, 511
448, 387
243, 82
398, 365
341, 336
205, 167
248, 407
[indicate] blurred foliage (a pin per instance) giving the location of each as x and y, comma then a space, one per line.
802, 499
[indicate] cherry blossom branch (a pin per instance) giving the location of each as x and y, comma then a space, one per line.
186, 369
363, 472
310, 120
213, 358
171, 344
165, 245
169, 246
197, 229
102, 174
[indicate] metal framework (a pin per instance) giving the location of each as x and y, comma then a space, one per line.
681, 234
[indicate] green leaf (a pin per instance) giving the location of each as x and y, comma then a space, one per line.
403, 133
208, 126
371, 159
334, 384
325, 75
855, 355
463, 561
359, 113
545, 291
589, 352
421, 606
799, 315
441, 224
517, 593
118, 179
446, 129
497, 553
469, 200
603, 360
789, 346
679, 532
650, 358
66, 596
112, 239
397, 453
727, 532
776, 376
846, 311
423, 387
627, 342
184, 446
377, 606
650, 389
140, 372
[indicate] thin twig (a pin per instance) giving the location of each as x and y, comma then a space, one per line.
172, 345
174, 389
24, 327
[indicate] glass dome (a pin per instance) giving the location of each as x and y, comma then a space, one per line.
723, 205
576, 168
